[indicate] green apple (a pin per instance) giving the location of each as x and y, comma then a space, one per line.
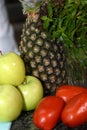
11, 103
32, 92
12, 69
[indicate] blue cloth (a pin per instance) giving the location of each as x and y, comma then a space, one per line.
5, 125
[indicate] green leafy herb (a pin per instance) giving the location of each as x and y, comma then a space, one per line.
67, 22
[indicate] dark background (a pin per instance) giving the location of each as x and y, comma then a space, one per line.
16, 17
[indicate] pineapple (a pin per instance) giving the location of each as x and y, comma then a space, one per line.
43, 57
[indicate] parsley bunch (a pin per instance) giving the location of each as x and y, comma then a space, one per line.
67, 21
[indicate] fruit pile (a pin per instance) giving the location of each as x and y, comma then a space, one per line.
18, 91
21, 93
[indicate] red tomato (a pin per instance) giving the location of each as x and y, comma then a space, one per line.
48, 112
66, 92
75, 111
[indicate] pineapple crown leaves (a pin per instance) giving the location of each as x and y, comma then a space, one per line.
67, 21
30, 5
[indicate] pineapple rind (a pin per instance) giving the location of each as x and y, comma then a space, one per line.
43, 58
